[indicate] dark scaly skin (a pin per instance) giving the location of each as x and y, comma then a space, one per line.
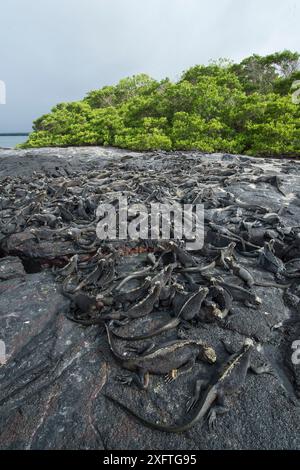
85, 304
188, 311
269, 261
246, 276
179, 355
239, 293
71, 267
182, 256
134, 294
93, 277
241, 272
224, 300
192, 306
146, 305
229, 381
168, 326
251, 207
199, 269
164, 277
226, 254
108, 274
220, 259
139, 274
230, 235
114, 316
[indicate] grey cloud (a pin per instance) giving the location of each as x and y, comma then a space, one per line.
58, 50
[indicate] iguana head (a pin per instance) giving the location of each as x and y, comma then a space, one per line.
249, 342
208, 354
213, 310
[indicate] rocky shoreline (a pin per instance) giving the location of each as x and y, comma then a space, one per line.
58, 372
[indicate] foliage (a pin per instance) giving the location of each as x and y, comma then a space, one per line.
223, 107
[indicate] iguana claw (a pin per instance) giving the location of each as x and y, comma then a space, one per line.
191, 403
171, 376
267, 368
212, 420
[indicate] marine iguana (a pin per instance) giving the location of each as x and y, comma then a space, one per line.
229, 381
268, 260
192, 306
167, 359
182, 256
249, 298
223, 301
103, 274
71, 267
220, 260
166, 326
145, 306
247, 277
133, 294
188, 311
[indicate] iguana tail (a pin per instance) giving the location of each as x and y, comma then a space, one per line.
112, 345
199, 414
166, 327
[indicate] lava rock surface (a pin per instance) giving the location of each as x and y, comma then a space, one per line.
56, 372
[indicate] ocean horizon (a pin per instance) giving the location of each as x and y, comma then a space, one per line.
10, 141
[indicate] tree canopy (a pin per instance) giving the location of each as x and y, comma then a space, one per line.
222, 107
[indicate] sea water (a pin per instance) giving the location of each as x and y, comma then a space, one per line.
10, 141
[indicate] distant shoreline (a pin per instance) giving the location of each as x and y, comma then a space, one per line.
14, 134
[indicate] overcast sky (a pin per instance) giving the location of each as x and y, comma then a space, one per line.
58, 50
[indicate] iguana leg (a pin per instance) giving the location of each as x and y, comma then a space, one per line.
212, 416
173, 374
141, 379
218, 409
193, 400
182, 370
264, 369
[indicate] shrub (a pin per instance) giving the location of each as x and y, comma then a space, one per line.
222, 107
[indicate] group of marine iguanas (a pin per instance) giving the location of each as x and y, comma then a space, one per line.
196, 287
168, 284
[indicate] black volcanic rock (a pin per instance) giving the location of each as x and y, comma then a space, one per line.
52, 385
